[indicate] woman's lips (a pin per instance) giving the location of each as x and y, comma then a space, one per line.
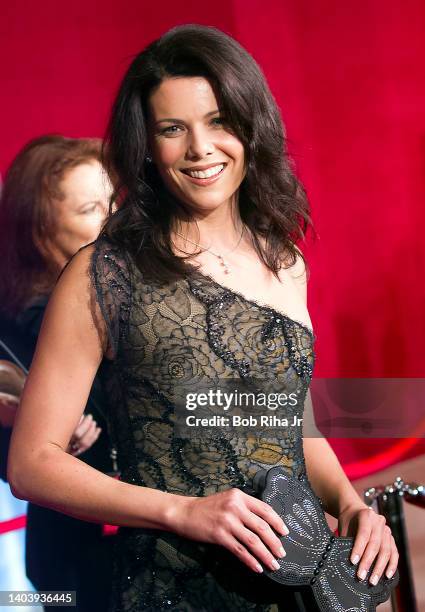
205, 181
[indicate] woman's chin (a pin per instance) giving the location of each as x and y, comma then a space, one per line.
207, 203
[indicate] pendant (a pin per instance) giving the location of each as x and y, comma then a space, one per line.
224, 265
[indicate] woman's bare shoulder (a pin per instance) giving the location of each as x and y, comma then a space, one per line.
97, 280
73, 306
297, 271
74, 279
296, 267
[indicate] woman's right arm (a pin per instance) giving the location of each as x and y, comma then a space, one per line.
67, 357
71, 345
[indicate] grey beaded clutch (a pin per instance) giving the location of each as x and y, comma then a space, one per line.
314, 555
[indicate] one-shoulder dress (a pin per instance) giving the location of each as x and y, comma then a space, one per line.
165, 337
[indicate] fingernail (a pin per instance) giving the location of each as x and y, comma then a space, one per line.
90, 416
282, 553
389, 574
355, 559
374, 579
362, 574
285, 530
259, 568
275, 564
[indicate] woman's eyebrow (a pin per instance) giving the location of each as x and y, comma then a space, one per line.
174, 119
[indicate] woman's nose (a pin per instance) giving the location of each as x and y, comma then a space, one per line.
199, 144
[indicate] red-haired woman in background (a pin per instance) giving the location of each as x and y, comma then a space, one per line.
54, 201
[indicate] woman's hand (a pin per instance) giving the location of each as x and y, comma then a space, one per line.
241, 523
12, 381
84, 436
8, 406
373, 541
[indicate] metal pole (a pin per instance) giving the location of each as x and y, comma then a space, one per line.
389, 500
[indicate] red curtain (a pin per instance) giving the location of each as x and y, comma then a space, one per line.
349, 78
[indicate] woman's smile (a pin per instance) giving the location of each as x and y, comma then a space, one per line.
210, 175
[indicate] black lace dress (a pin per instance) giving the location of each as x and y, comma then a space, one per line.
165, 337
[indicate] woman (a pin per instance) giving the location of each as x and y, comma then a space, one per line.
197, 145
54, 201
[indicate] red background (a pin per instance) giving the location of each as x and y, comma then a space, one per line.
349, 78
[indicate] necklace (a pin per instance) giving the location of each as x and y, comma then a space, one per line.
219, 256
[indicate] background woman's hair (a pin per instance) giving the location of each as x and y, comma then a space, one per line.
272, 202
27, 216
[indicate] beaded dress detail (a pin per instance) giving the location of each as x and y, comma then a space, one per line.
163, 336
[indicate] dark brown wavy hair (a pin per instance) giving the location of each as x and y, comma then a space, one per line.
27, 216
272, 202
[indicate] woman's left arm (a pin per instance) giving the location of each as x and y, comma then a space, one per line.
373, 541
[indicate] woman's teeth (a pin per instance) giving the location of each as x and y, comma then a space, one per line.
202, 174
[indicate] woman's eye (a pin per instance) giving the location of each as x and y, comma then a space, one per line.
171, 129
219, 120
89, 210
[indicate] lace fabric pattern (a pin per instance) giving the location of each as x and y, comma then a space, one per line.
161, 338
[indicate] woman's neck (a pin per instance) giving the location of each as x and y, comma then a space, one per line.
219, 229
